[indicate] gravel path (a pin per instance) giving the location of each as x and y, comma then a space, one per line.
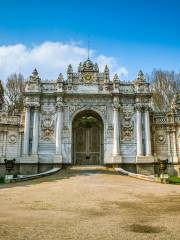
87, 203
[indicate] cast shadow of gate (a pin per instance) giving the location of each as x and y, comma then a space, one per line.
64, 173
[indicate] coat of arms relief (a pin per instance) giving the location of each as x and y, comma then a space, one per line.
127, 127
47, 126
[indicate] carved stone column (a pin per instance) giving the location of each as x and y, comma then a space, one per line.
175, 157
116, 150
169, 145
59, 130
116, 143
139, 132
172, 147
35, 139
147, 133
26, 131
4, 142
59, 125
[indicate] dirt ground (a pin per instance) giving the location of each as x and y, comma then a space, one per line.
87, 203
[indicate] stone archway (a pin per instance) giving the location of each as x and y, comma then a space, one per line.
88, 138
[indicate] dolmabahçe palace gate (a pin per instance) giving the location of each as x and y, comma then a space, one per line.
89, 119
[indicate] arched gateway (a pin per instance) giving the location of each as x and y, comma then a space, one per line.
87, 138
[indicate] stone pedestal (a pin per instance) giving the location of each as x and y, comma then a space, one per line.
57, 159
144, 159
29, 159
28, 169
145, 169
117, 159
34, 158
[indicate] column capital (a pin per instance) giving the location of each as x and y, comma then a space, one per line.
27, 107
116, 108
147, 108
138, 107
36, 108
59, 108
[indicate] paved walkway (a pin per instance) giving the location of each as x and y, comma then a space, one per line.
87, 203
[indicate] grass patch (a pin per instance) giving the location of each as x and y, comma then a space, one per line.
174, 180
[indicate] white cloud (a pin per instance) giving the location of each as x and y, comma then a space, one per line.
50, 58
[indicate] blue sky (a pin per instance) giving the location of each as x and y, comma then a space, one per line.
137, 34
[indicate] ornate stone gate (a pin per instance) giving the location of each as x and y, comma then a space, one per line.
132, 134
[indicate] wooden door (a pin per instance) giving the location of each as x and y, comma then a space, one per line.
87, 144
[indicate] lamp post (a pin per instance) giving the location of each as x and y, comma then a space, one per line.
9, 165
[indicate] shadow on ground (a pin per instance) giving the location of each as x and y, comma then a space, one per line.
65, 173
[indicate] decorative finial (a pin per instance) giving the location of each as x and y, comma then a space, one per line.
96, 68
115, 78
106, 69
106, 74
70, 69
140, 77
35, 76
35, 72
80, 67
60, 78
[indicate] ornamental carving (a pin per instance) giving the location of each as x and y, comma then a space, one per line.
65, 132
47, 126
110, 131
127, 127
161, 137
12, 139
101, 109
116, 104
32, 101
59, 103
